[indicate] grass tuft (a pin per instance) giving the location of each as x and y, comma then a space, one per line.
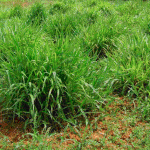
36, 15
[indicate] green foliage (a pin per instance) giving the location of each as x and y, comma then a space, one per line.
36, 14
15, 11
98, 38
58, 7
148, 29
47, 58
61, 26
41, 81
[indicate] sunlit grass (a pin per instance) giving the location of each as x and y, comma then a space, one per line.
60, 60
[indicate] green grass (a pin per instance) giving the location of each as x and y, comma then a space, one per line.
62, 59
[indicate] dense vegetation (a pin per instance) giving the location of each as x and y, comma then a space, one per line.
63, 59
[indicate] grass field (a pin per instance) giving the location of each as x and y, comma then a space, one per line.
75, 73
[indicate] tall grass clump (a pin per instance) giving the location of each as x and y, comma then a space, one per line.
58, 7
134, 52
15, 11
129, 8
61, 26
129, 74
92, 3
43, 82
58, 63
36, 14
147, 29
98, 39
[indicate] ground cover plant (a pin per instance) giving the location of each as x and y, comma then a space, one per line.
63, 61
